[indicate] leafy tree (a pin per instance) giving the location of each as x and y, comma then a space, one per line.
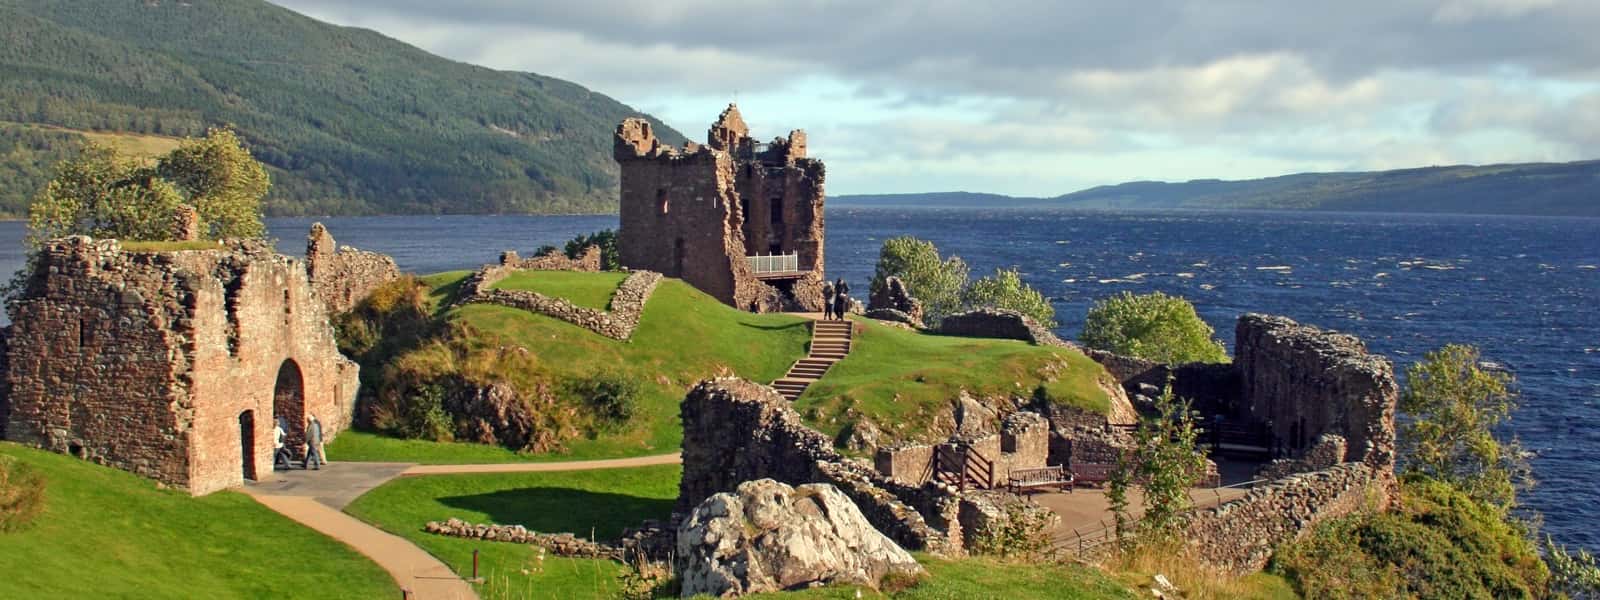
222, 181
103, 194
1164, 463
1005, 289
1574, 573
937, 282
1455, 405
1151, 326
99, 193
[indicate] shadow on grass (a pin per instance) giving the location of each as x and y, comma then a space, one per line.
555, 510
750, 325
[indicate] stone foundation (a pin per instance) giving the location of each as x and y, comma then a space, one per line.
627, 303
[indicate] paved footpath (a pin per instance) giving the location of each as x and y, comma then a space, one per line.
317, 499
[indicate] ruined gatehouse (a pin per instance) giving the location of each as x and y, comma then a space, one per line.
172, 363
739, 220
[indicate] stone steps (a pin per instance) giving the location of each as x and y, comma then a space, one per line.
830, 342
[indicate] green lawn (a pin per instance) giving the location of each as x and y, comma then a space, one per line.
902, 379
598, 503
106, 533
683, 337
592, 290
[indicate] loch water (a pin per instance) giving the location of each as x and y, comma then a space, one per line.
1526, 290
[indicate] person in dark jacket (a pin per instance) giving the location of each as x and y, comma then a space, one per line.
841, 304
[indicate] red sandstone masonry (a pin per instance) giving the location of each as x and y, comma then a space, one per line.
145, 361
344, 276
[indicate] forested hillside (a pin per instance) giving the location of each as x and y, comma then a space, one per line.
349, 121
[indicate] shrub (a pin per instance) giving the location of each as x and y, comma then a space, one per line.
1440, 543
1151, 326
21, 495
1164, 464
610, 397
1005, 289
1575, 574
937, 282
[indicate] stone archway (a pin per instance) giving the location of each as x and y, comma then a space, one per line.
289, 405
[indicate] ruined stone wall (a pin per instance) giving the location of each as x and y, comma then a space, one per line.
147, 361
344, 276
554, 260
1000, 323
1305, 382
1329, 450
1237, 537
911, 464
626, 308
1214, 389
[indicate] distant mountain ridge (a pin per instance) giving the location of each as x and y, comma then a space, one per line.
1562, 189
348, 120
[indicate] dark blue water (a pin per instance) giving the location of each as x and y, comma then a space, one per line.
1525, 290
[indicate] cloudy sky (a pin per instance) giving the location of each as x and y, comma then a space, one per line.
1047, 97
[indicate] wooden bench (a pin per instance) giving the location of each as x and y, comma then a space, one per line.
1092, 473
1028, 480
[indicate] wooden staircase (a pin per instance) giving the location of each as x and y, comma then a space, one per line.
830, 342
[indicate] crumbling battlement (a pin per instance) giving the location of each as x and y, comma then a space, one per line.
344, 276
172, 364
696, 213
554, 260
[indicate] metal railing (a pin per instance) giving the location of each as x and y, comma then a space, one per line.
774, 263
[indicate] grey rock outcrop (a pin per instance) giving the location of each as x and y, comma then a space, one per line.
893, 296
768, 536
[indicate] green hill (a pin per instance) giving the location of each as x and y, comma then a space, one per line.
350, 121
105, 533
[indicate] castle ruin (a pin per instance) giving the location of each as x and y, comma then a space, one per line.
172, 364
737, 219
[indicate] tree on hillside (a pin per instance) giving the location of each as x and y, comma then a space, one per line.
606, 239
1151, 326
1455, 404
1164, 463
103, 194
937, 282
1005, 289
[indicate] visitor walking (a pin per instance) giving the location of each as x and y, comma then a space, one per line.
841, 302
280, 454
314, 444
827, 300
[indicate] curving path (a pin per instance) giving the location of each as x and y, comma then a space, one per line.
316, 499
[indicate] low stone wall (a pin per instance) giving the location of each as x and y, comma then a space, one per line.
558, 544
627, 303
999, 323
554, 260
911, 464
1088, 445
1329, 450
342, 277
1237, 537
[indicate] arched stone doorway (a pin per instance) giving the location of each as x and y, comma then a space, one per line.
289, 405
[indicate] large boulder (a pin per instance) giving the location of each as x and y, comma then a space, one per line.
768, 536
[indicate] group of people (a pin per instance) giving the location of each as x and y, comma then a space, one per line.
835, 300
283, 457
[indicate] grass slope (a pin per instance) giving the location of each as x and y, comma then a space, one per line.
902, 380
106, 533
598, 503
684, 336
986, 578
348, 119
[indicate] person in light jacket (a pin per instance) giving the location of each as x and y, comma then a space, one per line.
280, 454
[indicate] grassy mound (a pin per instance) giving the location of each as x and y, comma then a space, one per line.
597, 503
104, 533
902, 380
683, 336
